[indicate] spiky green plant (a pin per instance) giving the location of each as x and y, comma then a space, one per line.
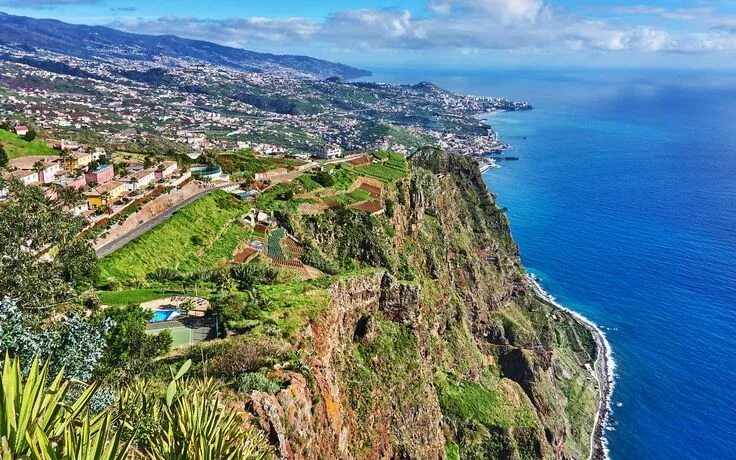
37, 421
190, 421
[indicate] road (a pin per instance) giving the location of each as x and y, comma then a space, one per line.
118, 243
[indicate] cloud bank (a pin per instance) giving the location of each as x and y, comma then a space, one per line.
465, 25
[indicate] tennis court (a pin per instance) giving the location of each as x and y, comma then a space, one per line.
184, 334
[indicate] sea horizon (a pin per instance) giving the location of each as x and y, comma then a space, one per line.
588, 204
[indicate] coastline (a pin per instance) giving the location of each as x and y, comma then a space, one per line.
603, 373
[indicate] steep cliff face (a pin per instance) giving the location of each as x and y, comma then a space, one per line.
445, 352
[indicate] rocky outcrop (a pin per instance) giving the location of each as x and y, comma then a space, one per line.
459, 358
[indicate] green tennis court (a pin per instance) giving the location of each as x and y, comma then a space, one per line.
181, 334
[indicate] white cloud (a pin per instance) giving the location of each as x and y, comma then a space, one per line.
461, 26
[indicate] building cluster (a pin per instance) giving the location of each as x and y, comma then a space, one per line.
103, 184
207, 107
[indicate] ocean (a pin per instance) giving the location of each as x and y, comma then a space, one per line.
623, 203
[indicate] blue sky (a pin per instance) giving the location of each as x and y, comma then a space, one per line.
471, 33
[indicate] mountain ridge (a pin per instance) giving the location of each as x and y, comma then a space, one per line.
100, 42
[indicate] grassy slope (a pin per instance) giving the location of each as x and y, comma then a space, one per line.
16, 147
170, 244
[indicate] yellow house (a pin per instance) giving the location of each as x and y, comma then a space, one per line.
105, 194
78, 160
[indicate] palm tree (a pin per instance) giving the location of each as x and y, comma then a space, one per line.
38, 168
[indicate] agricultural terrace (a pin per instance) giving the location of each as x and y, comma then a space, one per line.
245, 163
202, 235
16, 147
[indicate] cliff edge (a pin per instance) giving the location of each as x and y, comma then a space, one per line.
442, 348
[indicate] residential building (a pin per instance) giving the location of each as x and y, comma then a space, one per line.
26, 177
328, 152
49, 171
77, 182
166, 169
102, 175
140, 180
106, 194
77, 160
21, 130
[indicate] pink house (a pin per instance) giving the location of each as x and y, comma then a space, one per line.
78, 182
101, 175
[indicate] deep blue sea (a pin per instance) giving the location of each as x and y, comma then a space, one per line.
624, 203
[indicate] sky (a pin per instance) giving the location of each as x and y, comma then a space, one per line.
436, 33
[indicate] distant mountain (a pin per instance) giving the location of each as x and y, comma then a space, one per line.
103, 42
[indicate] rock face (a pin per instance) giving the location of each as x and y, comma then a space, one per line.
457, 360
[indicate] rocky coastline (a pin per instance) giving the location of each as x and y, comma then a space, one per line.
602, 372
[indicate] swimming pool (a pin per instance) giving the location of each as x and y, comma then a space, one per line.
163, 315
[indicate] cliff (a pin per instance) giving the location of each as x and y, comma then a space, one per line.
442, 349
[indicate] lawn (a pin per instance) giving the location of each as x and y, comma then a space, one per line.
16, 147
134, 296
356, 196
199, 236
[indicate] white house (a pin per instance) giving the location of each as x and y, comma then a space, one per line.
328, 152
26, 177
140, 180
49, 171
166, 169
21, 130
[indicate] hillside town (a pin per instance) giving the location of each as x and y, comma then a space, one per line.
185, 105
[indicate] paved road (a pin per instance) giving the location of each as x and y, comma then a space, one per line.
114, 245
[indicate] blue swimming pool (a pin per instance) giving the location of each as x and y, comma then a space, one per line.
163, 315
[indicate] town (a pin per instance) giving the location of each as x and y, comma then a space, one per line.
188, 106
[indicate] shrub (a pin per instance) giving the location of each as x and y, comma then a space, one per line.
255, 381
248, 355
324, 179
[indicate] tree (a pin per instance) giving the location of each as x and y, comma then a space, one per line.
30, 136
32, 226
229, 307
129, 348
3, 157
38, 168
249, 275
70, 341
324, 179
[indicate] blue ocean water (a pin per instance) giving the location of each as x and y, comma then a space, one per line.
624, 203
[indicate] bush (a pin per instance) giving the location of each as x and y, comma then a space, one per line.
248, 355
255, 381
249, 275
324, 179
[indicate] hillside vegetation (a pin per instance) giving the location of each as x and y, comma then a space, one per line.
198, 236
417, 337
16, 147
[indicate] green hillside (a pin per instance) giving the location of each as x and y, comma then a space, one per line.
197, 237
16, 147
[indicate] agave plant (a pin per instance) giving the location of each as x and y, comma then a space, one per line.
37, 421
191, 422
